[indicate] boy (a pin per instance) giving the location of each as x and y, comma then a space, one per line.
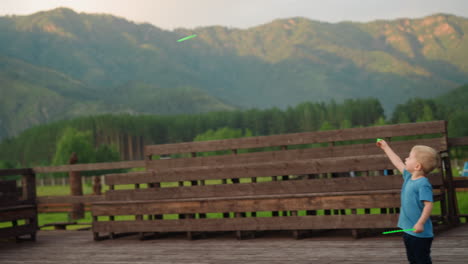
416, 199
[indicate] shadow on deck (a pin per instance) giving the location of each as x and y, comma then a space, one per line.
271, 247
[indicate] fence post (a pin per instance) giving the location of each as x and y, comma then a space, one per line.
451, 191
76, 189
29, 194
97, 185
29, 186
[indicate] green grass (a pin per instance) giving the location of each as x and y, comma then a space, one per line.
60, 190
88, 189
462, 199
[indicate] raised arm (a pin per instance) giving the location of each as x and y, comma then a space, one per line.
397, 162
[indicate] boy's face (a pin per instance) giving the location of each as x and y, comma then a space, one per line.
411, 163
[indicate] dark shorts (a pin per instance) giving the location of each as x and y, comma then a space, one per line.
418, 250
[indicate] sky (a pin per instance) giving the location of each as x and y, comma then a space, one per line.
171, 14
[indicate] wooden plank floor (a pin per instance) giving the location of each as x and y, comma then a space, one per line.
78, 247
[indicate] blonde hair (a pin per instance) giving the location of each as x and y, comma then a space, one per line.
427, 157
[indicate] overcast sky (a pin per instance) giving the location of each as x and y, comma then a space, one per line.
170, 14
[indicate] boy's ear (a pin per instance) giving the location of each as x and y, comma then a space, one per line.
418, 166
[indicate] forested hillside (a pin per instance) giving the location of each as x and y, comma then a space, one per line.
37, 145
128, 134
60, 64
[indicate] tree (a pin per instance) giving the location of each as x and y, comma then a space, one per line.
326, 126
380, 122
6, 165
457, 124
222, 133
345, 124
81, 143
106, 153
72, 140
427, 114
416, 110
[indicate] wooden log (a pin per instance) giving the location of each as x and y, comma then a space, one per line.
16, 231
400, 147
299, 167
69, 199
91, 167
451, 197
460, 183
112, 235
13, 172
421, 128
460, 141
342, 164
248, 204
29, 187
96, 236
334, 186
97, 186
17, 213
354, 232
295, 233
251, 224
76, 190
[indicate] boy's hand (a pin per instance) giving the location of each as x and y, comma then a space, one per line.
418, 228
396, 161
382, 144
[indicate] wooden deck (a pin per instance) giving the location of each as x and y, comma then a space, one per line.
276, 247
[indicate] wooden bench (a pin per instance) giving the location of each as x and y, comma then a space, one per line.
18, 212
200, 204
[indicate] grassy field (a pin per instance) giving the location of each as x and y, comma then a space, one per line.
45, 218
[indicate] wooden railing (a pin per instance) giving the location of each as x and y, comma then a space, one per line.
61, 202
91, 166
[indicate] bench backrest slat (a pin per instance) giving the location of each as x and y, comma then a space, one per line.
267, 169
275, 167
433, 127
294, 187
401, 147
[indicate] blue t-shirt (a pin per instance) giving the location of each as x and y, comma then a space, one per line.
413, 193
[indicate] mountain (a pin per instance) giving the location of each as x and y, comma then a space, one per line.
59, 64
145, 98
33, 95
